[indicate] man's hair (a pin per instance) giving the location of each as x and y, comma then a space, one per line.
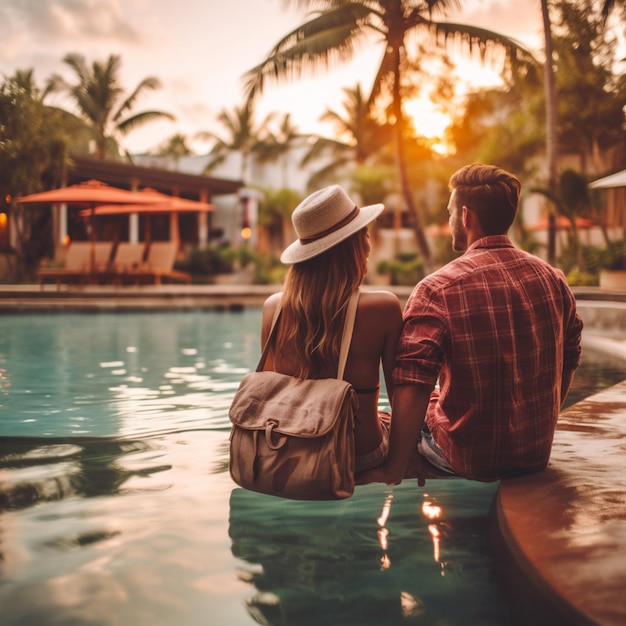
490, 192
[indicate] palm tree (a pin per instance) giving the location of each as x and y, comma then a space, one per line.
244, 137
358, 137
609, 5
331, 34
175, 147
100, 100
552, 148
278, 144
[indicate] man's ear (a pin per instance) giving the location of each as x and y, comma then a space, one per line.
466, 216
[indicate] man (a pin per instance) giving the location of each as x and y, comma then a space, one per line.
497, 329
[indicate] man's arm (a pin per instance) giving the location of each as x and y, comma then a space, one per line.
409, 406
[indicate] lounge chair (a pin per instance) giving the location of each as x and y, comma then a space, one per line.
129, 268
84, 259
128, 260
160, 262
128, 257
159, 266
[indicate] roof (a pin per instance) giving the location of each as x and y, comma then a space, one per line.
129, 176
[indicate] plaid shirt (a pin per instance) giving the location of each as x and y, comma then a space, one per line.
497, 328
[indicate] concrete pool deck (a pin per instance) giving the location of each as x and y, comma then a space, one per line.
562, 532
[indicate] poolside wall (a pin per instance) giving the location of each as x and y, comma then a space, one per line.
560, 535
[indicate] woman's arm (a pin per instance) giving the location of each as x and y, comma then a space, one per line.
269, 307
393, 317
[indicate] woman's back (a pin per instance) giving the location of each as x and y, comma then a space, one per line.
376, 331
328, 262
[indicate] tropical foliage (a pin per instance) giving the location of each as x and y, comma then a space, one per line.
175, 147
358, 139
244, 137
101, 103
277, 144
34, 155
332, 34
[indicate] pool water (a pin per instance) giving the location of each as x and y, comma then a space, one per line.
116, 506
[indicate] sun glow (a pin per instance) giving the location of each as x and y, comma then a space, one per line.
429, 121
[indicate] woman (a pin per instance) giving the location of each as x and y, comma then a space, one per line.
328, 263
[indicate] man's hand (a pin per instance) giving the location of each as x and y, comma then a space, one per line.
418, 467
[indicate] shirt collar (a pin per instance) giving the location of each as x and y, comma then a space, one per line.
491, 241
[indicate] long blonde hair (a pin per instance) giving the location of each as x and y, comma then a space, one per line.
314, 301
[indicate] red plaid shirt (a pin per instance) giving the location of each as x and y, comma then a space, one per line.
497, 328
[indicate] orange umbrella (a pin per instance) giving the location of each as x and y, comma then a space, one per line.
562, 223
438, 229
160, 203
90, 194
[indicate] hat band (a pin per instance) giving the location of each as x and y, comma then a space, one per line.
346, 220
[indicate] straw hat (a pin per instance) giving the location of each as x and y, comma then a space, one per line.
322, 220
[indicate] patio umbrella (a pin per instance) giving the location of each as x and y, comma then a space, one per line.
614, 180
88, 194
562, 223
159, 203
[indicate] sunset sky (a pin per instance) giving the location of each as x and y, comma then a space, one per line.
200, 50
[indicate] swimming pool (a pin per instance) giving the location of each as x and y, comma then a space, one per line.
116, 506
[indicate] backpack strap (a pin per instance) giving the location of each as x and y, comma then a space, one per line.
266, 347
346, 338
348, 328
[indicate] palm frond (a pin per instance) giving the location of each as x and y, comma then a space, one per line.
143, 118
326, 38
487, 43
149, 83
323, 146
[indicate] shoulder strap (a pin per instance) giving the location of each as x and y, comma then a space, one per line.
266, 347
348, 328
346, 338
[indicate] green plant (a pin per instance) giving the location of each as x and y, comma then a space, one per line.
405, 269
208, 261
576, 278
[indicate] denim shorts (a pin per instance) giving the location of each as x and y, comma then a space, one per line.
429, 449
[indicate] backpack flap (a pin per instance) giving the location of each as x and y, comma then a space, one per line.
294, 407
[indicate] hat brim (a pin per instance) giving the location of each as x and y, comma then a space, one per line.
298, 252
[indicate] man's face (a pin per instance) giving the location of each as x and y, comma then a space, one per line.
459, 236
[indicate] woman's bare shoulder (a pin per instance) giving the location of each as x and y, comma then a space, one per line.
380, 299
271, 301
380, 309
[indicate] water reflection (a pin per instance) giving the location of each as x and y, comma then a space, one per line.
122, 375
33, 471
365, 560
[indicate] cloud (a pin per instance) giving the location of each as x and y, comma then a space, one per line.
37, 22
498, 15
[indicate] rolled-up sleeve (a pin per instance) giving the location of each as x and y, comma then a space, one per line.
420, 348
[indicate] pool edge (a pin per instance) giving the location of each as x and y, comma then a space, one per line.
562, 533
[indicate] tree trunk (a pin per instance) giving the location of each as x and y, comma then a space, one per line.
398, 126
551, 126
